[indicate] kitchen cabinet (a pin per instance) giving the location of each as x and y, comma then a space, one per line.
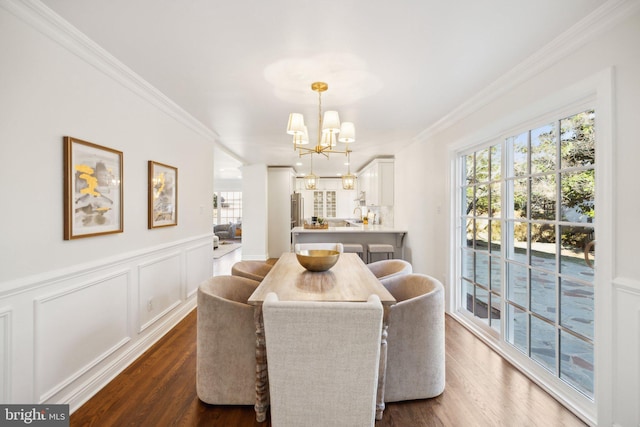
376, 180
324, 203
329, 198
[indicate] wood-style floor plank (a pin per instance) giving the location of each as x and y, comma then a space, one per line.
482, 389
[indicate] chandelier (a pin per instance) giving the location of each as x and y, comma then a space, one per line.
329, 130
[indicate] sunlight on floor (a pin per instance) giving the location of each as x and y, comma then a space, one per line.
222, 266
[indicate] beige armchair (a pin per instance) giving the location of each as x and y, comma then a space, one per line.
321, 246
322, 359
415, 341
226, 342
254, 270
388, 268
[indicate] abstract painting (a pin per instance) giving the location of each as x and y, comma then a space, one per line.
93, 196
163, 195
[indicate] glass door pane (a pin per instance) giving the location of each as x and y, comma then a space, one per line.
536, 261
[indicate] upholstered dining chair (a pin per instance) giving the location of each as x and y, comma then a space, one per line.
254, 270
321, 246
322, 360
388, 268
415, 340
226, 342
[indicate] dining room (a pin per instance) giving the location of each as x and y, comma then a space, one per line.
164, 379
504, 133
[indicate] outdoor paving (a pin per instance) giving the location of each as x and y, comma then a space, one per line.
576, 311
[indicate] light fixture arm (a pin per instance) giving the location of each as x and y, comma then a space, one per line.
328, 147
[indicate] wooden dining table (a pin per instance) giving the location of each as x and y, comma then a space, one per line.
348, 280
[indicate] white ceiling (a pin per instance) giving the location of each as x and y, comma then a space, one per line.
393, 68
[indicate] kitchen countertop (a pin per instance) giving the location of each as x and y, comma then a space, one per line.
360, 234
362, 228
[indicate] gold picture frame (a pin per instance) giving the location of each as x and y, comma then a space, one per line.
93, 189
162, 195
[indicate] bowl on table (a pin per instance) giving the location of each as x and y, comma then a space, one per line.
317, 259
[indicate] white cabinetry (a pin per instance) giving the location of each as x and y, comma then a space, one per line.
329, 198
324, 203
376, 180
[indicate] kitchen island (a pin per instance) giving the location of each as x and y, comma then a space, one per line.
363, 234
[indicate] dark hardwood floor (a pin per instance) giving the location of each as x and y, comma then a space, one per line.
482, 389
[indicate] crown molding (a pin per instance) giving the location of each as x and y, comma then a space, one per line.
600, 20
52, 25
43, 19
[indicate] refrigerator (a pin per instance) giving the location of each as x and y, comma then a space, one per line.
297, 210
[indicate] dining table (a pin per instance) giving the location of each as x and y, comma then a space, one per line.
348, 280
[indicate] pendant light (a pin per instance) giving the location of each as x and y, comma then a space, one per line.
348, 180
311, 180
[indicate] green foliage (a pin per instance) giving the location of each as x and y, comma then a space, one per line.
578, 149
577, 185
578, 191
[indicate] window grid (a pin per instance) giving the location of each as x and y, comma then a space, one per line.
531, 251
227, 207
482, 171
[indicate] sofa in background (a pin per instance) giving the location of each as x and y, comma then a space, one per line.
225, 231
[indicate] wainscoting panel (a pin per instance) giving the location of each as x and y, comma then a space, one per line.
65, 334
77, 328
199, 267
159, 288
5, 351
626, 352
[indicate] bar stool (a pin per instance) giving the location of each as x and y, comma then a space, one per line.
354, 248
379, 248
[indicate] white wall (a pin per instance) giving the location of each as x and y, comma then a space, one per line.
227, 185
74, 313
254, 200
421, 206
426, 213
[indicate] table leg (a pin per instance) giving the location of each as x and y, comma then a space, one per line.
262, 379
382, 370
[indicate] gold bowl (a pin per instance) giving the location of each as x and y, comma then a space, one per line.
317, 259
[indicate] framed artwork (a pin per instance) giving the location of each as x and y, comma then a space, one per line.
163, 195
93, 189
